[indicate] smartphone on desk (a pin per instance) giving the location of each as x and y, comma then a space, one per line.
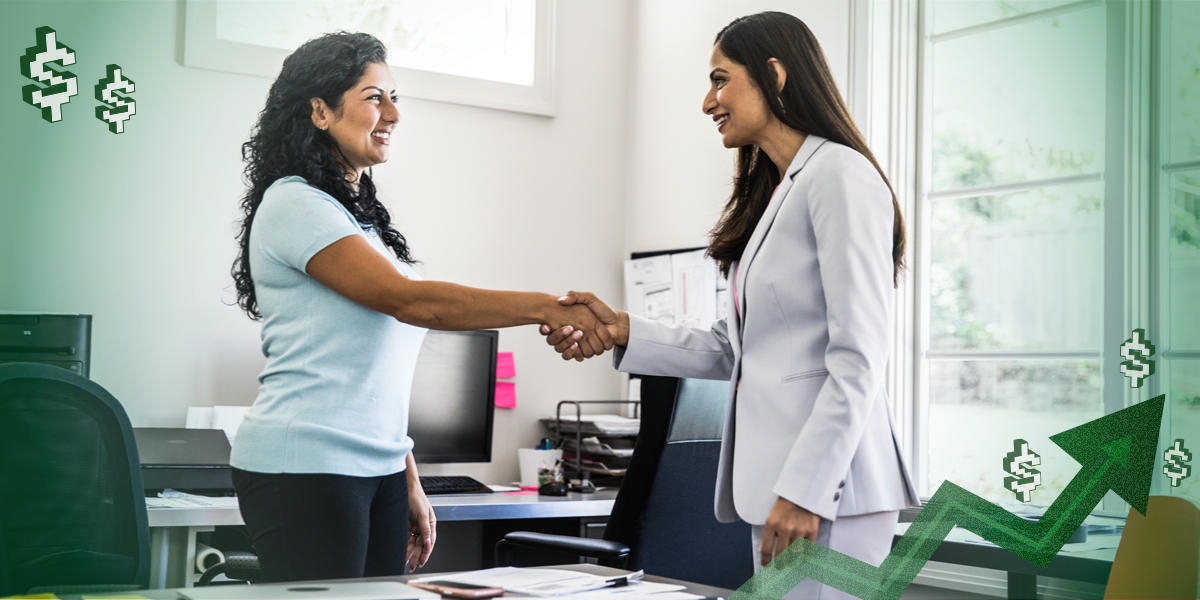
459, 590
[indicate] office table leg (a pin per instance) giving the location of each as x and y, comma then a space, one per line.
173, 556
1022, 586
160, 546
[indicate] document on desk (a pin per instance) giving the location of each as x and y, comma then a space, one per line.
1095, 542
534, 582
173, 499
638, 590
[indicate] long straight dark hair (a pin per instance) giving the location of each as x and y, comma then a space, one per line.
809, 102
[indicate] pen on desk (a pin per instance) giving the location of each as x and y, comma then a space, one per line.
625, 579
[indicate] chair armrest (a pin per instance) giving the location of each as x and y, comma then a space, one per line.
604, 550
243, 566
239, 566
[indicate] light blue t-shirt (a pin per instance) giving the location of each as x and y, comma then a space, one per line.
333, 396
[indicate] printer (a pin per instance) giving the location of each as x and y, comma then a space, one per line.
188, 460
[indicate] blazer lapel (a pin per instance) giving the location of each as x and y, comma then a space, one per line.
810, 145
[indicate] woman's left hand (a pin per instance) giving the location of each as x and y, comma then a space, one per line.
422, 528
786, 524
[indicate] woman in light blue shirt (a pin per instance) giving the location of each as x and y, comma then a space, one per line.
322, 463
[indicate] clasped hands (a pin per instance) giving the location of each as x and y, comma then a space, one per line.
600, 327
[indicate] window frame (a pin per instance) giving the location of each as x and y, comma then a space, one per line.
890, 93
202, 49
1159, 174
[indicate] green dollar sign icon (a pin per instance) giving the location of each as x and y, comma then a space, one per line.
1137, 365
117, 107
60, 85
1175, 466
1020, 463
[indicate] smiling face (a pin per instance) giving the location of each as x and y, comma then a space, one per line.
363, 124
736, 105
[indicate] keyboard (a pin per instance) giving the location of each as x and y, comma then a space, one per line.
452, 484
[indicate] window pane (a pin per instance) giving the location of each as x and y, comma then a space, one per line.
1021, 102
977, 409
483, 39
949, 15
1185, 423
1185, 260
1019, 271
1184, 87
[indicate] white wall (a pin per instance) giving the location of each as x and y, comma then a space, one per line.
511, 201
137, 229
680, 175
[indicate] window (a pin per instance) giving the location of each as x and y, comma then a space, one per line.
1013, 203
1178, 199
491, 53
1057, 208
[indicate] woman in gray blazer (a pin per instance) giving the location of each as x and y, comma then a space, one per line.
812, 241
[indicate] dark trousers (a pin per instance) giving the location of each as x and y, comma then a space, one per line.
321, 526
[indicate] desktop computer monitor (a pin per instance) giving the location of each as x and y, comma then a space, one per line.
453, 397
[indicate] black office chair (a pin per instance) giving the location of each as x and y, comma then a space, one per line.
72, 507
662, 521
237, 566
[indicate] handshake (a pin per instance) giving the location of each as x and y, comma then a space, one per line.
591, 327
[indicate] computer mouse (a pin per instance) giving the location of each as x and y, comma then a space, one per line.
554, 488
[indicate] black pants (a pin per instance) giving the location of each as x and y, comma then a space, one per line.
322, 526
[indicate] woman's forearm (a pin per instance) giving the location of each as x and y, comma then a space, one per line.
451, 307
410, 470
353, 268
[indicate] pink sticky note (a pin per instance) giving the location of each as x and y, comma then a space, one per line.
506, 394
521, 493
505, 367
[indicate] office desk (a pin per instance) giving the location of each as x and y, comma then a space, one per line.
693, 588
173, 530
1092, 566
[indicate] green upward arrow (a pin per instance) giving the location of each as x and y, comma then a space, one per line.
1116, 452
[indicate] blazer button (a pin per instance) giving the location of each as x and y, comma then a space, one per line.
836, 495
842, 484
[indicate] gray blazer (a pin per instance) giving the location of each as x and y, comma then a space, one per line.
806, 340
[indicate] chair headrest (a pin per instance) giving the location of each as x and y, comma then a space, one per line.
699, 411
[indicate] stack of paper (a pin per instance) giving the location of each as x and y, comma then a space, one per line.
1097, 542
593, 445
172, 499
558, 582
535, 582
1104, 525
601, 424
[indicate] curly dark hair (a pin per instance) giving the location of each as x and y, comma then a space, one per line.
285, 142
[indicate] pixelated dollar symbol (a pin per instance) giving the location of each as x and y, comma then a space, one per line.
1137, 351
1175, 457
60, 85
117, 107
1024, 479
